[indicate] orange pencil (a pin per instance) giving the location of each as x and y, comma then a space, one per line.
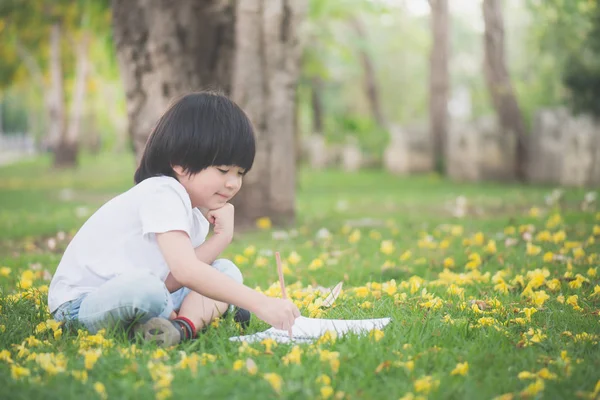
280, 272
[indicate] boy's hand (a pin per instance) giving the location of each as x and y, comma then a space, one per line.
222, 219
279, 313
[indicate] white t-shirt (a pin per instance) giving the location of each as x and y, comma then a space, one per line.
120, 237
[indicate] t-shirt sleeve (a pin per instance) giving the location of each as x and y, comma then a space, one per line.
200, 229
164, 210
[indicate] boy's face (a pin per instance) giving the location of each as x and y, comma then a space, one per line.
212, 187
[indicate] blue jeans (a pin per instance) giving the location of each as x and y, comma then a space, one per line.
130, 297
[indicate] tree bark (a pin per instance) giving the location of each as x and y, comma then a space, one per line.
371, 87
247, 49
166, 49
499, 84
439, 80
267, 66
316, 86
56, 100
65, 154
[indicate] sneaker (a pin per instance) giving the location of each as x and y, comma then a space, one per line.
161, 331
240, 315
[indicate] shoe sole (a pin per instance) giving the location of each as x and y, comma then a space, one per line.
160, 331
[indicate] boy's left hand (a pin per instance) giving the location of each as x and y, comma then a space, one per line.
222, 219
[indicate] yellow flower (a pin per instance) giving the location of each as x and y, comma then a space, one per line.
239, 259
534, 212
326, 392
553, 285
261, 261
274, 380
366, 305
425, 384
354, 236
461, 369
294, 258
543, 236
596, 291
510, 230
90, 358
387, 247
578, 253
539, 297
249, 251
264, 223
293, 357
559, 237
533, 389
548, 256
323, 380
474, 261
17, 372
100, 389
478, 239
456, 230
238, 364
449, 262
315, 264
406, 255
376, 334
532, 250
572, 300
491, 247
5, 271
553, 221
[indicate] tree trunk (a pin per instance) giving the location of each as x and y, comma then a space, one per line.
439, 80
169, 48
65, 154
56, 99
267, 66
498, 82
316, 85
371, 87
166, 49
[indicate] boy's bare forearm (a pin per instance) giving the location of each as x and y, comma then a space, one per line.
208, 251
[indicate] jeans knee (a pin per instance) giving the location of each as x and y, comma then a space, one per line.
229, 268
148, 294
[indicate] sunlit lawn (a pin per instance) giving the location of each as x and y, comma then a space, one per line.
497, 297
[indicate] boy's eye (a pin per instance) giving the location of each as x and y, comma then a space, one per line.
224, 171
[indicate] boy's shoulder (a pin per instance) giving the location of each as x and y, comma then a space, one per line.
161, 184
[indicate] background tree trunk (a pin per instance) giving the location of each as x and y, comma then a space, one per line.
371, 87
267, 67
498, 82
65, 153
166, 49
56, 100
252, 53
316, 100
439, 80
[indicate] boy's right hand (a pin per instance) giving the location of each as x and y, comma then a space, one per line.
279, 313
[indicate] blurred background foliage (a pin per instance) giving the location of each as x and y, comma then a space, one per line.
553, 49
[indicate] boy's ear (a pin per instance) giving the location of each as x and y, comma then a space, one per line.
179, 170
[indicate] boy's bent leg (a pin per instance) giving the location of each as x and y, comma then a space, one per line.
132, 296
200, 309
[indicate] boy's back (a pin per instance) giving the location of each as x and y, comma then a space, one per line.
120, 237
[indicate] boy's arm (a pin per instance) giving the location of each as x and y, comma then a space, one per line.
200, 277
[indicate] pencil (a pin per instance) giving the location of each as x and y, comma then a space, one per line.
281, 282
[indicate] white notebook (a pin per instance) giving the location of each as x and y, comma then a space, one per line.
306, 330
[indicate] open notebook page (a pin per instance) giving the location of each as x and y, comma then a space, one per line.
308, 329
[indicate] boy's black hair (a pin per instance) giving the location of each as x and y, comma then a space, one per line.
198, 131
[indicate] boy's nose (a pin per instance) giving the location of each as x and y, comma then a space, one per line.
232, 183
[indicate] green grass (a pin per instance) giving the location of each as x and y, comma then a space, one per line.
434, 324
